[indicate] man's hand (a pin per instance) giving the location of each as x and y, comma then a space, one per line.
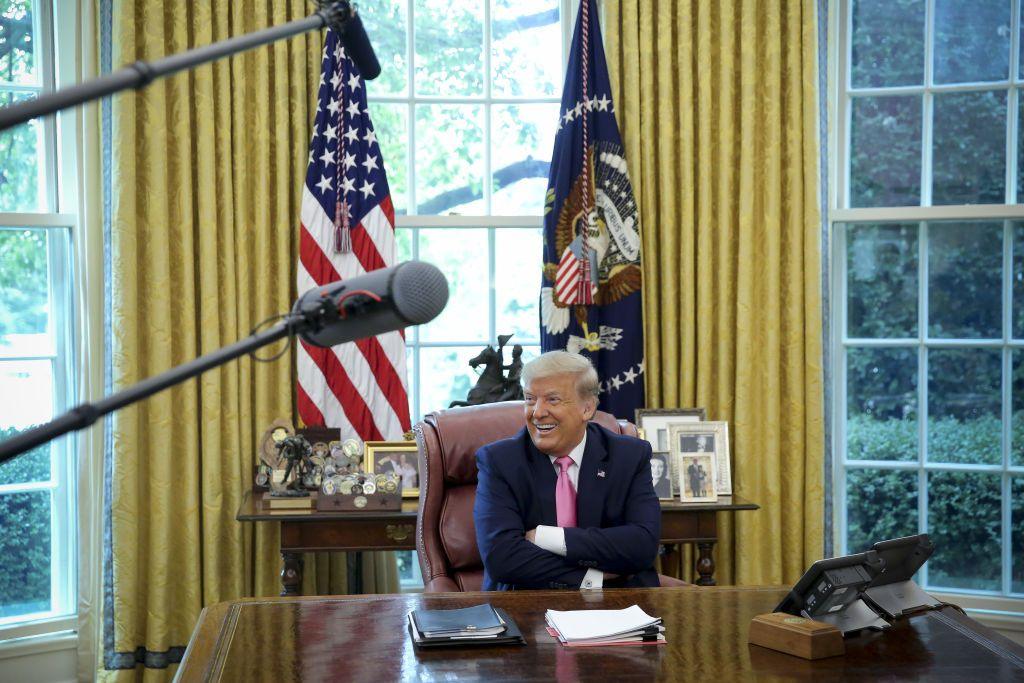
531, 535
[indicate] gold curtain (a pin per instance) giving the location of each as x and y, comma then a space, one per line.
717, 102
206, 171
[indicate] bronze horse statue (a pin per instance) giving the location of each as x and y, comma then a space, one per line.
493, 385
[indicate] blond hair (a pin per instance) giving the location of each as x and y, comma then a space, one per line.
561, 363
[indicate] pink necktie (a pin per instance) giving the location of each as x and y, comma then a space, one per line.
565, 494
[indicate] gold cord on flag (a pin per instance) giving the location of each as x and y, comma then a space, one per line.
342, 210
586, 296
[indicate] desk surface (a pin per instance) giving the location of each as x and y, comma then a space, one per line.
356, 638
252, 511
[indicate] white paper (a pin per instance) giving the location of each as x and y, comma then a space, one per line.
584, 624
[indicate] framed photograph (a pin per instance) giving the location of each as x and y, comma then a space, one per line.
697, 478
381, 457
700, 438
661, 476
654, 424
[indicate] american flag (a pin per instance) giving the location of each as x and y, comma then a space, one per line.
348, 228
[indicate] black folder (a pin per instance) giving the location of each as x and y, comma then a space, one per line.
510, 636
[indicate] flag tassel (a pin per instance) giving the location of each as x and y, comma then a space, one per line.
342, 229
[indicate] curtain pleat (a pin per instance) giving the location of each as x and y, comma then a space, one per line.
206, 172
718, 110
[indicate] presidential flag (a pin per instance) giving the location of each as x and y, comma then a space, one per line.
347, 230
590, 290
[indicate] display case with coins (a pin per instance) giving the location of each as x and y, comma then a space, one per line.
360, 491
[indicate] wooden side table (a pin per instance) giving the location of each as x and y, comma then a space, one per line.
312, 531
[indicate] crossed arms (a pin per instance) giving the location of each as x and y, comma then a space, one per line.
512, 559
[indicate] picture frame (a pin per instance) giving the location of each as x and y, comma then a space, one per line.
697, 474
399, 456
661, 476
701, 437
653, 424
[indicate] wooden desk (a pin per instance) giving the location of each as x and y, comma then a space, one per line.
364, 638
312, 531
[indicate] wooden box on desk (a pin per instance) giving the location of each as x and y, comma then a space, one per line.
796, 636
374, 502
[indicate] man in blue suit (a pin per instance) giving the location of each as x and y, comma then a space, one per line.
565, 503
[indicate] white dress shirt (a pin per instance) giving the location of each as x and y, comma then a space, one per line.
552, 538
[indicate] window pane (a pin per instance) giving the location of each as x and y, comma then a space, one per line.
964, 423
972, 40
26, 393
885, 151
17, 59
445, 376
965, 264
408, 569
1020, 148
449, 158
522, 139
1017, 534
24, 292
1017, 403
969, 148
24, 553
526, 48
881, 265
880, 504
888, 43
385, 22
21, 148
27, 467
964, 523
881, 404
517, 263
1018, 281
461, 254
449, 47
403, 244
391, 125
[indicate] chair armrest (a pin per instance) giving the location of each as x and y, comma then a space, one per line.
441, 584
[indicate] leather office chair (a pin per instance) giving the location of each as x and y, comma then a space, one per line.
445, 534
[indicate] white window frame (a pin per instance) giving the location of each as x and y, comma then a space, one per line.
1003, 601
414, 223
60, 154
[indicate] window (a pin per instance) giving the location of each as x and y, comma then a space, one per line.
928, 286
466, 114
37, 518
465, 111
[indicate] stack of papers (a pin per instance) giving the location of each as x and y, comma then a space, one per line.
481, 624
592, 627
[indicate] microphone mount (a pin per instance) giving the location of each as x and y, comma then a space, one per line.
336, 14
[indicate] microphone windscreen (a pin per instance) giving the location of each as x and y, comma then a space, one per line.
419, 291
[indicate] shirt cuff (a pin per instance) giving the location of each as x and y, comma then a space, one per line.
551, 538
592, 580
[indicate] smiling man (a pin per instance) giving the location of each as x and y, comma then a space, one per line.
565, 503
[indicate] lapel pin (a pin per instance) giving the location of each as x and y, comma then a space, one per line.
600, 473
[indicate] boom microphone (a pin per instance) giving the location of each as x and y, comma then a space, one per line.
357, 43
384, 300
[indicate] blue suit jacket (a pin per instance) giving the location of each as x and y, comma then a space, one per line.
617, 512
